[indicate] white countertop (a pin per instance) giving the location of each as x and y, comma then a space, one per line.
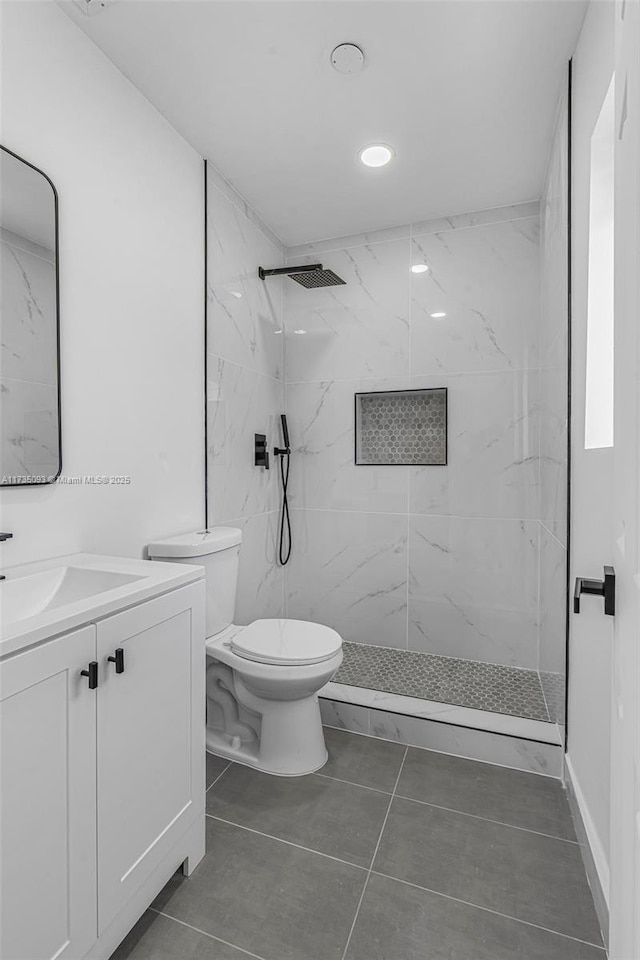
155, 578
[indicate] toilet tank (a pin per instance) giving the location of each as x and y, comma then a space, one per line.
218, 551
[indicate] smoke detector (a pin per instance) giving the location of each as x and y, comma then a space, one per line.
346, 58
91, 8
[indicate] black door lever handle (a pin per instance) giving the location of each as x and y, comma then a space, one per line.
601, 588
118, 660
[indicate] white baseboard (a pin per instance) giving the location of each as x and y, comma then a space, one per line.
594, 855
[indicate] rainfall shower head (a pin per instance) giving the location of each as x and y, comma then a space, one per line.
307, 275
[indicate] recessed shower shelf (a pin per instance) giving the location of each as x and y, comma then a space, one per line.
402, 427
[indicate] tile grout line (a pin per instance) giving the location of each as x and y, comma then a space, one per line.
375, 853
498, 823
289, 843
439, 806
496, 913
446, 753
415, 513
351, 783
406, 376
204, 933
399, 796
222, 772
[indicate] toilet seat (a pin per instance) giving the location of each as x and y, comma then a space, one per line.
286, 642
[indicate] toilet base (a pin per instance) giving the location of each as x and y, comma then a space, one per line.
216, 747
291, 742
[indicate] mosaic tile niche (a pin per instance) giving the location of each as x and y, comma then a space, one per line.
402, 427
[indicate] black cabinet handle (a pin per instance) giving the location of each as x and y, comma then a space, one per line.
601, 588
118, 660
92, 673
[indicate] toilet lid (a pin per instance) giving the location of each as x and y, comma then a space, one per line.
287, 642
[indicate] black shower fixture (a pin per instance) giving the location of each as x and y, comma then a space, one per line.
308, 275
284, 455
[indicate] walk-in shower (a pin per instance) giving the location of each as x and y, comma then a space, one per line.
422, 458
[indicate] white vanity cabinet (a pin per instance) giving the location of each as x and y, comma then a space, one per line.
102, 787
48, 812
151, 723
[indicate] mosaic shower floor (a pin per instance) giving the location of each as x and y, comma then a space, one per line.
464, 683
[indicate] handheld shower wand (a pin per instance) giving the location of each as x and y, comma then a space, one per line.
284, 454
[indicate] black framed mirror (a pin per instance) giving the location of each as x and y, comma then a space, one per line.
30, 421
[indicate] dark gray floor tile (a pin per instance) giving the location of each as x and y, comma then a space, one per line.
398, 922
516, 872
157, 938
215, 766
267, 897
364, 760
510, 796
336, 818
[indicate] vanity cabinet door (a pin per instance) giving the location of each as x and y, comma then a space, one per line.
48, 813
151, 751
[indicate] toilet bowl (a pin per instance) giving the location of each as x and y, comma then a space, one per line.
262, 679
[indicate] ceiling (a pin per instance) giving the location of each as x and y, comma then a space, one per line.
464, 90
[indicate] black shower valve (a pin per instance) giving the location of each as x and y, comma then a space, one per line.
261, 456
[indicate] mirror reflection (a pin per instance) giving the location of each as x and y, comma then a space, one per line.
29, 352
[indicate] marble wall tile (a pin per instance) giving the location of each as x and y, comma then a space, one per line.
261, 579
553, 600
344, 716
29, 330
357, 330
350, 573
554, 235
460, 221
244, 313
216, 181
323, 472
473, 589
487, 280
493, 442
554, 386
352, 240
544, 758
28, 428
240, 404
553, 392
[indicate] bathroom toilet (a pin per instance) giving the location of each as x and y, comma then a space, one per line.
262, 679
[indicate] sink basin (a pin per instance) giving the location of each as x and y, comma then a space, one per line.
30, 595
44, 599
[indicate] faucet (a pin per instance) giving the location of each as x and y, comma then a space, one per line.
4, 536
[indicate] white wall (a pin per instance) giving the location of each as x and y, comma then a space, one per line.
131, 258
591, 634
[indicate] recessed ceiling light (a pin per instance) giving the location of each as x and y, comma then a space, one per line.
376, 155
436, 316
236, 294
299, 332
419, 268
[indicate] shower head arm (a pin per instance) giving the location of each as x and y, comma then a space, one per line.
288, 271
